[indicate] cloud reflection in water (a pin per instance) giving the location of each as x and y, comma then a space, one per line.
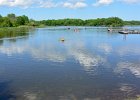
132, 67
105, 47
49, 51
92, 59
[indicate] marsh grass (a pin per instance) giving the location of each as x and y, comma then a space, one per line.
14, 31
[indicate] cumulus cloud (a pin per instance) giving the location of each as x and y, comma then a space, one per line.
108, 2
131, 1
103, 2
49, 4
44, 3
15, 3
74, 5
67, 4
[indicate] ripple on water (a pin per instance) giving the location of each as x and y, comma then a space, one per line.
122, 68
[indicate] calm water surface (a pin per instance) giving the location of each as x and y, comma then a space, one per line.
91, 64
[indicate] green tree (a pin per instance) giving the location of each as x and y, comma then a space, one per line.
20, 21
0, 16
11, 16
1, 20
6, 22
25, 18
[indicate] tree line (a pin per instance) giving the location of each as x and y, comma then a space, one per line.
11, 20
132, 22
112, 21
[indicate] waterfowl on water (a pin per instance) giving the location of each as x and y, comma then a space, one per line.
62, 39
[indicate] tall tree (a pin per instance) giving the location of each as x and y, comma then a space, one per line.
11, 16
6, 22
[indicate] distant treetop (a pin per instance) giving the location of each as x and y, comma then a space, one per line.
11, 20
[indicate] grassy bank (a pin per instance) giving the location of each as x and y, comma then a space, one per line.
7, 32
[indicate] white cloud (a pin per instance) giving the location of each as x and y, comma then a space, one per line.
15, 3
43, 3
48, 4
108, 2
68, 4
131, 1
103, 2
74, 5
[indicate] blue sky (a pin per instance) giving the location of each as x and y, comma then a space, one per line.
84, 9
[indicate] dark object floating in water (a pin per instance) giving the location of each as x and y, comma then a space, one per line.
62, 39
124, 31
129, 32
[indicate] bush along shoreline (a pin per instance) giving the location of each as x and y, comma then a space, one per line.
11, 20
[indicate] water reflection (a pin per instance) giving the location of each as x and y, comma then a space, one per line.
5, 93
49, 51
87, 59
87, 66
12, 50
131, 49
128, 88
105, 47
123, 67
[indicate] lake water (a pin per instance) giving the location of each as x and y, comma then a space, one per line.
91, 64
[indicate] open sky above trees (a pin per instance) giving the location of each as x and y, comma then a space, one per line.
83, 9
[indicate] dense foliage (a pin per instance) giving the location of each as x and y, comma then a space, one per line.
112, 21
9, 32
132, 22
11, 20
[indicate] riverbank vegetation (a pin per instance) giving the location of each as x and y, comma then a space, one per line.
112, 21
11, 20
8, 32
131, 23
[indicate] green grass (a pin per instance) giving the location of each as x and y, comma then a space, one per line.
14, 31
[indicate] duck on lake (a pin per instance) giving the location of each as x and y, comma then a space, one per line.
62, 39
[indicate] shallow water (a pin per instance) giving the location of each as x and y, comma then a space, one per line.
91, 64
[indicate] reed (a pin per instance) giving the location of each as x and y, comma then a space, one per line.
14, 31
